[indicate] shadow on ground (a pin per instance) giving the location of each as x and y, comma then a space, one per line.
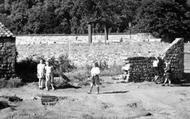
114, 92
65, 86
183, 83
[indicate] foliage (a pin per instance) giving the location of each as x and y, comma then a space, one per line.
66, 16
61, 65
11, 83
167, 19
102, 64
162, 18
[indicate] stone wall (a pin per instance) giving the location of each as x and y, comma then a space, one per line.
175, 54
141, 68
65, 39
7, 57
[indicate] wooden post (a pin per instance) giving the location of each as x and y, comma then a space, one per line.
106, 33
89, 33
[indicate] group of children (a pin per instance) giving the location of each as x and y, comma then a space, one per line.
166, 72
45, 72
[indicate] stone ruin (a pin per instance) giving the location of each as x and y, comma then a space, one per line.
7, 53
141, 68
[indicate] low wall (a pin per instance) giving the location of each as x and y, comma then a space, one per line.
141, 68
65, 39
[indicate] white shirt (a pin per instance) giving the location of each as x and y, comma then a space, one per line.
155, 63
40, 68
48, 70
95, 71
126, 67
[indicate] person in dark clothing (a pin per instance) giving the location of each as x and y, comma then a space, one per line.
167, 72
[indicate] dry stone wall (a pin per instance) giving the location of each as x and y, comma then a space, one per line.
65, 39
141, 68
7, 57
175, 54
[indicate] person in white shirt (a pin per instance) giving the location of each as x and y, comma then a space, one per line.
49, 76
125, 69
95, 72
156, 68
41, 73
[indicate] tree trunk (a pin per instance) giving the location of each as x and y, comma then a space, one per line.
89, 33
106, 33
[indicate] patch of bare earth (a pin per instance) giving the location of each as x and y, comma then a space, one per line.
116, 100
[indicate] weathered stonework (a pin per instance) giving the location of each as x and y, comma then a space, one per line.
7, 57
65, 39
141, 68
7, 53
175, 54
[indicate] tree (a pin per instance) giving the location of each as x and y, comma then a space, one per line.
67, 16
162, 18
111, 14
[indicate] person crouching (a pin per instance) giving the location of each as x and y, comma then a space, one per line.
95, 72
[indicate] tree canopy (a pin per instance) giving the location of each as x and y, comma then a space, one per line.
66, 16
162, 18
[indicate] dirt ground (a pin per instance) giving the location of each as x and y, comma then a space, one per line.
116, 100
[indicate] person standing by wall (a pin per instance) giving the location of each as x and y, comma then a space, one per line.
125, 70
49, 75
41, 73
167, 73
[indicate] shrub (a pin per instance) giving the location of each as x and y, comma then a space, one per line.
11, 83
62, 65
27, 69
79, 74
102, 64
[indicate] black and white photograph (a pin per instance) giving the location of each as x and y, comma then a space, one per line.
94, 59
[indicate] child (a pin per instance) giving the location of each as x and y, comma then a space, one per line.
167, 73
126, 71
41, 73
49, 75
95, 71
156, 68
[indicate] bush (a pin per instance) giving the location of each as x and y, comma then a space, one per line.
102, 64
27, 69
11, 83
61, 65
